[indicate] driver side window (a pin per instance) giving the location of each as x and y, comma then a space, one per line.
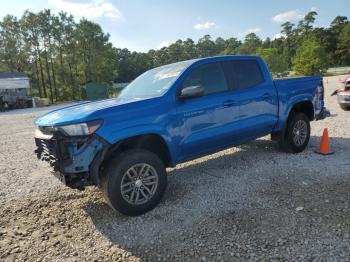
209, 76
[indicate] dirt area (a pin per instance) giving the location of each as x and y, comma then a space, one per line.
250, 203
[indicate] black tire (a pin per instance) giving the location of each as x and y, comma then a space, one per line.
6, 106
288, 140
115, 174
345, 108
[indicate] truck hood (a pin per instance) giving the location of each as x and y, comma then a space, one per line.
81, 112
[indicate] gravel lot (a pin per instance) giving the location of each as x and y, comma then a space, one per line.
249, 203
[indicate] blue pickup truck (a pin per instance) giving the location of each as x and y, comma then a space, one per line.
172, 114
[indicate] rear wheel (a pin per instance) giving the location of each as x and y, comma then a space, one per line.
345, 108
134, 182
297, 134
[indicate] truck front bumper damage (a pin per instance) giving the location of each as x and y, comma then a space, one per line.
75, 160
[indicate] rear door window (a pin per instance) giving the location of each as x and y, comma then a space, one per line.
245, 74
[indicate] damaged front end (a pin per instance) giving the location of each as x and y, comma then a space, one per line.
75, 159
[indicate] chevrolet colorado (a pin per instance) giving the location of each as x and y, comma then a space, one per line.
172, 114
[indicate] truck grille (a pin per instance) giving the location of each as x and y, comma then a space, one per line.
47, 150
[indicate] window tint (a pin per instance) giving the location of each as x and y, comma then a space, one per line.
229, 73
247, 73
209, 76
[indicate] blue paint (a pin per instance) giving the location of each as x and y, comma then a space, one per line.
197, 126
82, 157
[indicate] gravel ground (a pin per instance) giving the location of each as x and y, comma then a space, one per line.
250, 203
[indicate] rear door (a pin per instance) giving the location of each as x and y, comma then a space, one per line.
257, 98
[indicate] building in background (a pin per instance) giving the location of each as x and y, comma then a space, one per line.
117, 87
14, 90
94, 91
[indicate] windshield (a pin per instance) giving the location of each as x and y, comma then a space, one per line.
154, 82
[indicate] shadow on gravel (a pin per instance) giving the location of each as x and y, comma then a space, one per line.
282, 211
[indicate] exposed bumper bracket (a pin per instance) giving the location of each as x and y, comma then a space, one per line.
323, 114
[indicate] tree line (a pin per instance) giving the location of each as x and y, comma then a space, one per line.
57, 53
60, 55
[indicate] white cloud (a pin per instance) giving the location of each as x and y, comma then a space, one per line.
89, 9
165, 44
313, 9
206, 25
292, 15
251, 30
254, 30
278, 35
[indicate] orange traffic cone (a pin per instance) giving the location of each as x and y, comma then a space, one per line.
325, 148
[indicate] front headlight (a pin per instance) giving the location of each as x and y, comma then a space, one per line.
81, 129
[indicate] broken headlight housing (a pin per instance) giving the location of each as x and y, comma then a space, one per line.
81, 129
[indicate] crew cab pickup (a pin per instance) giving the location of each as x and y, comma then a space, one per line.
172, 114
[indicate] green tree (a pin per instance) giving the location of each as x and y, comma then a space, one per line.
329, 37
60, 55
274, 60
32, 35
343, 46
220, 45
231, 46
251, 43
176, 52
206, 47
310, 58
338, 23
306, 24
289, 42
190, 49
13, 51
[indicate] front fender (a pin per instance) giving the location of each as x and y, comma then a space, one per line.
115, 136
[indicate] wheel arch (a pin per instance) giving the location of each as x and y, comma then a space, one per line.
301, 106
305, 107
153, 142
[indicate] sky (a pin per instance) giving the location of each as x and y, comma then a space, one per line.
141, 25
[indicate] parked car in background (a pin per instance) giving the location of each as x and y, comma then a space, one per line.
343, 93
172, 114
14, 87
344, 79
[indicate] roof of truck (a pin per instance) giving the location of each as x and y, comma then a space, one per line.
7, 75
213, 59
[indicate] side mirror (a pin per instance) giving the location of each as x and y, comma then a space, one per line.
191, 91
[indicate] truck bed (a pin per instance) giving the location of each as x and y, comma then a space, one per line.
294, 89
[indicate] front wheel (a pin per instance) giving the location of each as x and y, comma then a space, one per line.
6, 106
297, 134
134, 182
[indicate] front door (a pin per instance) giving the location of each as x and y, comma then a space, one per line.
206, 123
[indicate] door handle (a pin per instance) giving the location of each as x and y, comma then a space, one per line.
229, 103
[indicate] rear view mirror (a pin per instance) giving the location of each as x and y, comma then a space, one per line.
191, 91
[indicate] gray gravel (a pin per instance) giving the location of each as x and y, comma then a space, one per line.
250, 203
